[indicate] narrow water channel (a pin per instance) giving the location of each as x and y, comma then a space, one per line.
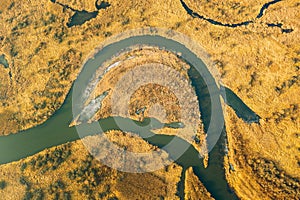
231, 25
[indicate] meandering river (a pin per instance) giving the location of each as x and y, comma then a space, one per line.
55, 131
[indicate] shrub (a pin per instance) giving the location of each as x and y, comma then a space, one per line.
3, 185
126, 21
39, 194
107, 34
23, 181
67, 195
28, 195
11, 6
59, 184
23, 166
113, 198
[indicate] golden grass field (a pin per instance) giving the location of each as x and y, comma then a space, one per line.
258, 62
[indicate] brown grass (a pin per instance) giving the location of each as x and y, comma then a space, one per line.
237, 52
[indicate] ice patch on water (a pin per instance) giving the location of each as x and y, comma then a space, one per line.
94, 81
91, 109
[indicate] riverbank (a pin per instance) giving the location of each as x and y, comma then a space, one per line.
69, 170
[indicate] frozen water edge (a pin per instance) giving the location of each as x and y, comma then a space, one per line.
94, 81
90, 110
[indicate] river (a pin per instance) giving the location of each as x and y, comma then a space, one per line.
55, 130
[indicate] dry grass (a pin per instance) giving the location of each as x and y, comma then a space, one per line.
257, 62
194, 189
